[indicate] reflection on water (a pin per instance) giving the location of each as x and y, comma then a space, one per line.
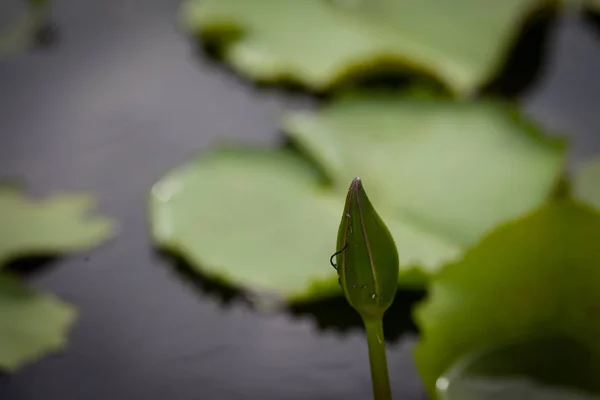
553, 368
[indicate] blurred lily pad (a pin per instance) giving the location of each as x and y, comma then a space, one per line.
254, 219
45, 227
32, 324
586, 184
535, 280
450, 171
21, 33
320, 42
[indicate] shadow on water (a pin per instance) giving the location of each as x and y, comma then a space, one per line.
332, 314
526, 59
28, 267
47, 36
336, 314
212, 288
593, 19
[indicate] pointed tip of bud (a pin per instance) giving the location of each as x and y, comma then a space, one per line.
356, 184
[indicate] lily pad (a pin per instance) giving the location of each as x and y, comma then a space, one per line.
586, 184
45, 227
20, 35
255, 219
450, 171
320, 42
32, 324
532, 280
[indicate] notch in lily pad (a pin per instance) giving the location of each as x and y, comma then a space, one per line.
368, 267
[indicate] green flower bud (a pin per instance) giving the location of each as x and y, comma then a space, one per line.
367, 258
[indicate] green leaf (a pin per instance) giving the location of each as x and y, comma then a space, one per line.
56, 225
537, 278
586, 184
32, 324
446, 172
21, 35
255, 219
367, 259
320, 42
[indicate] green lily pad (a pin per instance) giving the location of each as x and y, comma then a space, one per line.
586, 184
320, 42
32, 324
450, 171
21, 34
532, 280
46, 227
255, 219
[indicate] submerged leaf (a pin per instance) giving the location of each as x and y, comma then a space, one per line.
586, 184
535, 279
56, 225
319, 42
31, 324
367, 262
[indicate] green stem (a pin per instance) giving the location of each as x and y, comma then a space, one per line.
378, 360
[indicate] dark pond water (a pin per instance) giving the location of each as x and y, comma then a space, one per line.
115, 98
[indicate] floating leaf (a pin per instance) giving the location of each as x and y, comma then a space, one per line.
256, 219
31, 324
587, 182
447, 172
535, 279
21, 35
56, 225
320, 42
